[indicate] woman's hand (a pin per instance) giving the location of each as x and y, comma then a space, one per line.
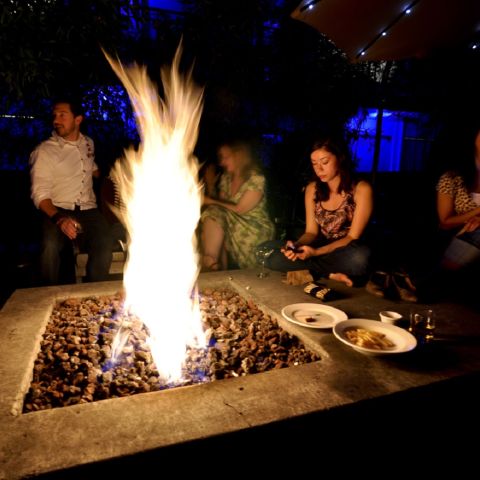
470, 225
305, 251
449, 219
297, 252
289, 250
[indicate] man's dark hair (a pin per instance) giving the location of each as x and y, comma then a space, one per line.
75, 105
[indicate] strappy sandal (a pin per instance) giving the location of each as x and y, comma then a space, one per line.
212, 267
378, 284
404, 287
321, 291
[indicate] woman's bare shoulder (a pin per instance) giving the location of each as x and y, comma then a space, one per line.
362, 186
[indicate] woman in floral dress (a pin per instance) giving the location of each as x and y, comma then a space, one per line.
235, 220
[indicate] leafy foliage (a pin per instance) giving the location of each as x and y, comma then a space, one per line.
51, 45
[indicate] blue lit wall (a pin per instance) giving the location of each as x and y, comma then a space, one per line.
398, 130
174, 5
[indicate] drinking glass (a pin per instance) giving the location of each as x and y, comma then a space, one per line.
422, 325
262, 253
429, 326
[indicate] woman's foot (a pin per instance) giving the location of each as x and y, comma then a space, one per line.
341, 277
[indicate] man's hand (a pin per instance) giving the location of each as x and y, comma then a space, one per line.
69, 226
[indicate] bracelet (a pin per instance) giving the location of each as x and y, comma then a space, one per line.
57, 217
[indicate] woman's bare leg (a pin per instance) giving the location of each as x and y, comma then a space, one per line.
212, 242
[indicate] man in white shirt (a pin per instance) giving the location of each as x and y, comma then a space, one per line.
62, 171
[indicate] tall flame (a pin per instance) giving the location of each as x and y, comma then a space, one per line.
159, 187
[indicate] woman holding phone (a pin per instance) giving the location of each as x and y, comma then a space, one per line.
337, 211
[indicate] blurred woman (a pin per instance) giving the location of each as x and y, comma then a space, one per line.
337, 211
236, 219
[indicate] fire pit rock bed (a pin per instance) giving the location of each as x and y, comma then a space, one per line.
74, 364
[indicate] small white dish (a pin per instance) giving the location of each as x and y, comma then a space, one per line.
313, 315
402, 340
389, 316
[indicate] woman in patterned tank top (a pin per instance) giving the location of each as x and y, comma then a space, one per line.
337, 211
458, 207
458, 211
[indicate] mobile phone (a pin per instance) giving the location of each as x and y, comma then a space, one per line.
295, 249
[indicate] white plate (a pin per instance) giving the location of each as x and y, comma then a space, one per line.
403, 340
320, 316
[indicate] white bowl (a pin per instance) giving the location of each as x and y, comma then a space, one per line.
403, 341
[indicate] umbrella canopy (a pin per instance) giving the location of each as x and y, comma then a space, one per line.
391, 29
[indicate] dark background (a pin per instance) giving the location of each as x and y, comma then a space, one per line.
263, 73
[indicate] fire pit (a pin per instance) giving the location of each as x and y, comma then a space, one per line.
58, 438
76, 363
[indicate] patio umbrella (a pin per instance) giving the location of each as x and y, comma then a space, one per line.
391, 29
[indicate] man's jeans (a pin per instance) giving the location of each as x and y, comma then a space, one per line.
95, 239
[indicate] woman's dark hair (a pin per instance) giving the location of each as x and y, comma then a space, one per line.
338, 147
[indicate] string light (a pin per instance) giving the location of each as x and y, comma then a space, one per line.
407, 11
384, 33
309, 5
6, 115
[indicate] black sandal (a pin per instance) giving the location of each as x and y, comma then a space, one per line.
321, 291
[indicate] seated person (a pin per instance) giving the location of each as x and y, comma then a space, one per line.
337, 211
458, 207
236, 220
62, 172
